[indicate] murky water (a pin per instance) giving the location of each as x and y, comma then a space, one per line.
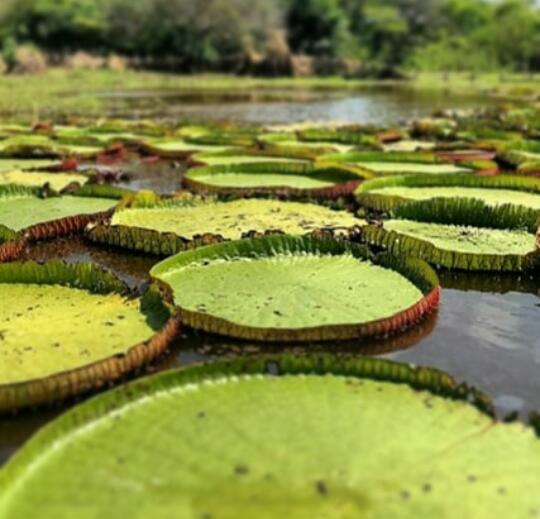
487, 331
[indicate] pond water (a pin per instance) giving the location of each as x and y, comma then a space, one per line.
487, 331
382, 104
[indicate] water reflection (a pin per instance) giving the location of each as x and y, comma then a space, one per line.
381, 104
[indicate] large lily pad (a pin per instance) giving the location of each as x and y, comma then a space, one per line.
285, 288
461, 234
398, 163
323, 438
43, 146
239, 156
178, 148
56, 181
170, 226
24, 211
323, 181
383, 194
8, 165
68, 328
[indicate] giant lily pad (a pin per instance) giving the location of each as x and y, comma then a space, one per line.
397, 163
293, 179
42, 146
239, 156
172, 225
56, 181
383, 194
68, 328
461, 234
8, 165
269, 437
178, 148
23, 211
285, 288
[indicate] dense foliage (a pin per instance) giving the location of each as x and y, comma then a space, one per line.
219, 34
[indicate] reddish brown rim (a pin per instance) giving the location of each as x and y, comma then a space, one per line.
398, 322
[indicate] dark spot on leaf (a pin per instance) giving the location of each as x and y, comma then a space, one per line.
321, 488
241, 470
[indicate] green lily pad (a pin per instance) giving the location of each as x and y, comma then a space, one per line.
24, 210
57, 181
384, 194
67, 328
292, 178
9, 165
43, 146
284, 288
235, 157
473, 240
461, 234
230, 440
411, 167
178, 148
170, 226
397, 163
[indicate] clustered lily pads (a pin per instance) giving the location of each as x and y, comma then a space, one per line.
280, 235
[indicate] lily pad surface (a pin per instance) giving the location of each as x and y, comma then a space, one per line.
57, 319
178, 147
397, 163
467, 239
461, 234
239, 157
386, 193
9, 165
57, 181
228, 220
22, 209
268, 176
411, 167
232, 441
296, 288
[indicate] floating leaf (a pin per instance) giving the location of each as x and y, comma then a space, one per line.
170, 226
56, 181
278, 436
9, 165
65, 329
462, 234
25, 213
397, 163
324, 181
285, 288
177, 148
384, 194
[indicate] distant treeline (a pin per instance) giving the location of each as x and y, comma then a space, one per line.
277, 35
